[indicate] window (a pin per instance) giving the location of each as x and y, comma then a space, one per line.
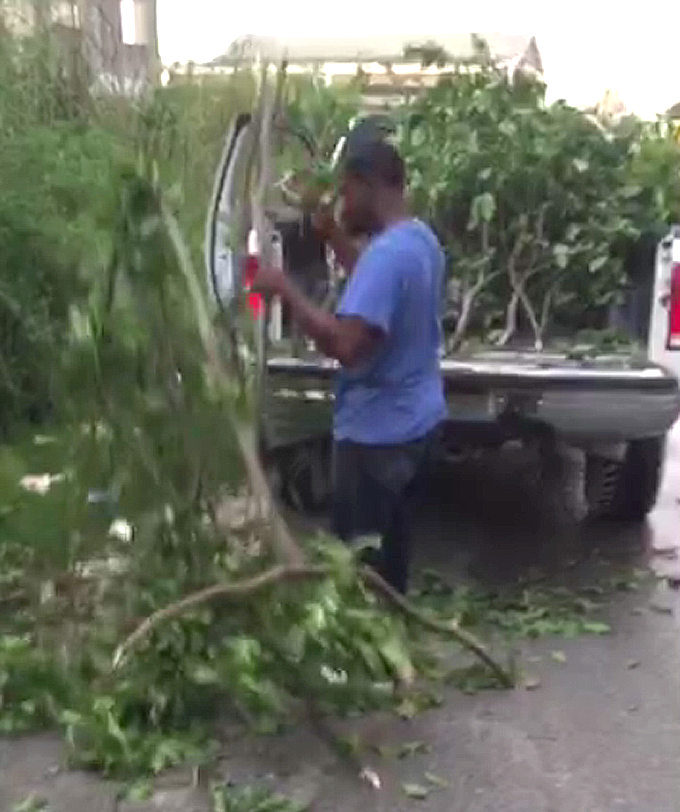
66, 13
127, 21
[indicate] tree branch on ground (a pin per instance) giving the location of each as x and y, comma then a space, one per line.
240, 590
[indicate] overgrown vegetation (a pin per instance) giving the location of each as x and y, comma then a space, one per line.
162, 429
546, 214
148, 469
538, 205
143, 487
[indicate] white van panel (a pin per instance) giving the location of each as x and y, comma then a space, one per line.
664, 348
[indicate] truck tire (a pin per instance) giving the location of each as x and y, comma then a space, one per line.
561, 484
626, 490
304, 473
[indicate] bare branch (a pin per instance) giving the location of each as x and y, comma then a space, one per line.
449, 629
510, 319
239, 589
243, 589
531, 315
468, 305
286, 549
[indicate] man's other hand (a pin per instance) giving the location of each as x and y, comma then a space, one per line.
323, 220
270, 281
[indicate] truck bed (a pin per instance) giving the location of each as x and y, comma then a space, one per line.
611, 398
488, 369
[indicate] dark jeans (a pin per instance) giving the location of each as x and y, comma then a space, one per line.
370, 487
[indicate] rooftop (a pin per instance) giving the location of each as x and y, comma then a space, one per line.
371, 47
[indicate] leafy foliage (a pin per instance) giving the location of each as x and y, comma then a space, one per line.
655, 172
156, 439
55, 184
530, 611
251, 799
94, 300
531, 201
314, 119
60, 149
542, 209
147, 438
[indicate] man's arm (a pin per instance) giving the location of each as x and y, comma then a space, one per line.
349, 339
364, 316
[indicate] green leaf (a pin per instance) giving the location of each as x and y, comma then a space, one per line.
416, 792
397, 657
596, 627
596, 264
487, 206
630, 191
558, 656
371, 541
407, 708
141, 790
409, 749
573, 231
203, 674
351, 744
436, 780
508, 128
387, 751
561, 254
31, 804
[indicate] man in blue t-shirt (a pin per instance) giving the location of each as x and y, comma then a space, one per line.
386, 335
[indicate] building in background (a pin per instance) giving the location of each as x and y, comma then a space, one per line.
610, 108
673, 115
382, 49
392, 67
117, 41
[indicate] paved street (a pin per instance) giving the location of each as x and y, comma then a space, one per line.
600, 732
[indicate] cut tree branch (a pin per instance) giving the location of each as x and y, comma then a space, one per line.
285, 547
446, 628
511, 310
247, 587
468, 305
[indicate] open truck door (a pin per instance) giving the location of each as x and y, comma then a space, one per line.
664, 327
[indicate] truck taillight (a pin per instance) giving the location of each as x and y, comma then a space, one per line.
251, 266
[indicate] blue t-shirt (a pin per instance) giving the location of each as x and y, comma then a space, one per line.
397, 395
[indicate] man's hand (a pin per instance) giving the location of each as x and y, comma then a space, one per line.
325, 224
270, 281
350, 340
323, 220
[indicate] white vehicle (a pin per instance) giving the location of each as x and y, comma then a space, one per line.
664, 326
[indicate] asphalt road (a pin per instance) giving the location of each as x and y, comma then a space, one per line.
600, 732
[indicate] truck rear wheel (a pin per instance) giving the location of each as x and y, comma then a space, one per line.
626, 490
304, 476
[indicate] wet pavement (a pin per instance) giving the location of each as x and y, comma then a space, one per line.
599, 732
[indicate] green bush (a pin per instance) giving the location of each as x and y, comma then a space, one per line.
54, 181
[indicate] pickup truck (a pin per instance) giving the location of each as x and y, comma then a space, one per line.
597, 425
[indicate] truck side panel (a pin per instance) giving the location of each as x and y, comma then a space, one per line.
664, 332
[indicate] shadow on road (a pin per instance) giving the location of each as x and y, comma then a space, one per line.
481, 522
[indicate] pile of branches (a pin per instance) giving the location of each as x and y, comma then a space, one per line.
205, 599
